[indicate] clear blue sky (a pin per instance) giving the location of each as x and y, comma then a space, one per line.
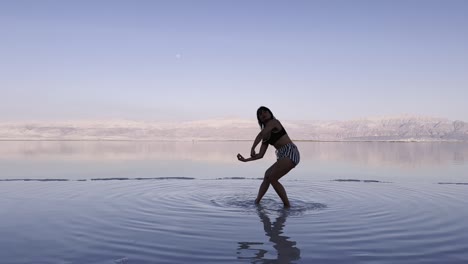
182, 60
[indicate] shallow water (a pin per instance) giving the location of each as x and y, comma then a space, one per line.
192, 202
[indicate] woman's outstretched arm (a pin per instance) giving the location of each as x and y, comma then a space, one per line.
260, 155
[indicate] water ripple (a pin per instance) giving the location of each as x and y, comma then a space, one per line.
186, 221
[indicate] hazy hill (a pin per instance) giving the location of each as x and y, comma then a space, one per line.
403, 128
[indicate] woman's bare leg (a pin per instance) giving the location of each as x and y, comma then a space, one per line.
265, 184
283, 166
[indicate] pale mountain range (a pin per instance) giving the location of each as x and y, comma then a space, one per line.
399, 128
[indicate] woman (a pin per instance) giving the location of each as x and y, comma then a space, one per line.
273, 133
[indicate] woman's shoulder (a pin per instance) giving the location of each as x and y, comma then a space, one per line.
277, 124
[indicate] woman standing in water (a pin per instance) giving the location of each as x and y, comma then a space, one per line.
287, 154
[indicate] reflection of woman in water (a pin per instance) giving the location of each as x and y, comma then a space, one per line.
286, 250
273, 133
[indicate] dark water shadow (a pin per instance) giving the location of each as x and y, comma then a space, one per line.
286, 250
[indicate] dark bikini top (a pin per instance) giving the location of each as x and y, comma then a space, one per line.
274, 136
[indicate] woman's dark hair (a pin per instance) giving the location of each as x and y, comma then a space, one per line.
259, 111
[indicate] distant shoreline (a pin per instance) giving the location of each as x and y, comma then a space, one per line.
234, 140
404, 129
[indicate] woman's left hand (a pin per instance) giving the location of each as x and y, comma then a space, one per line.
240, 157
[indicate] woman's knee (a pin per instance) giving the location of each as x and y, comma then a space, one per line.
276, 175
273, 177
267, 174
273, 180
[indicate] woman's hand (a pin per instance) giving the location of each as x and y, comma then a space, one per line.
241, 158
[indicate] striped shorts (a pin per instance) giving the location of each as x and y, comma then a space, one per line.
289, 151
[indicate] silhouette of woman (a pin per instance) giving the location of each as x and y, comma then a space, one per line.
273, 133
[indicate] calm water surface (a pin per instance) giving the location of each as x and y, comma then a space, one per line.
192, 202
